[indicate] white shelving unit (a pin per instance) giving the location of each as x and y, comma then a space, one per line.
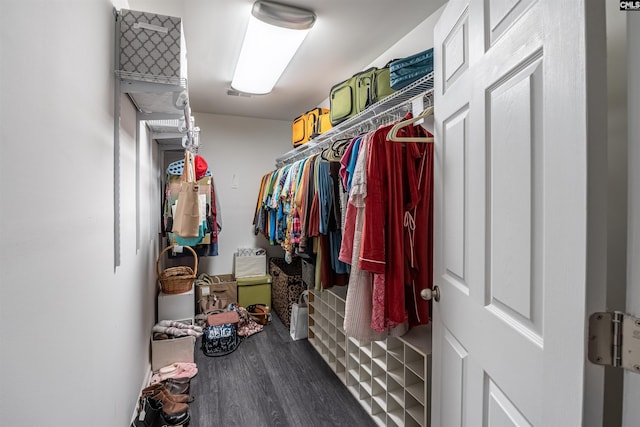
391, 379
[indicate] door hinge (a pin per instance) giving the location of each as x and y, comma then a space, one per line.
614, 340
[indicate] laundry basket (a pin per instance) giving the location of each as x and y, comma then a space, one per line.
176, 280
286, 286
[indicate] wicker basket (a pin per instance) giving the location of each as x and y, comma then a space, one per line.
176, 280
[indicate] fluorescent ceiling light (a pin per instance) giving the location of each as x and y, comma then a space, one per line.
274, 34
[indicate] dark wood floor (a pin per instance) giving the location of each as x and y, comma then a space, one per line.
271, 380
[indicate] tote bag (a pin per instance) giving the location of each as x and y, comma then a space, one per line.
216, 292
186, 221
220, 336
299, 326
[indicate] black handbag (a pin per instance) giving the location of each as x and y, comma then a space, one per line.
221, 337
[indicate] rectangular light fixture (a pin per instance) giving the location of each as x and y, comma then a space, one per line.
274, 34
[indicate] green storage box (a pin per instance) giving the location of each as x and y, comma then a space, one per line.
254, 290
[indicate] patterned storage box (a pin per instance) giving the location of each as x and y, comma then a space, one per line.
286, 286
152, 44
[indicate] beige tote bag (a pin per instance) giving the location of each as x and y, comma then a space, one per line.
186, 222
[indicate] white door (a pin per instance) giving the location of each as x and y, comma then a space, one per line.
518, 261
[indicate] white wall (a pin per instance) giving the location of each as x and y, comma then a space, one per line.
239, 152
616, 191
631, 411
417, 40
74, 342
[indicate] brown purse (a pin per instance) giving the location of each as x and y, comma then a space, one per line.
222, 318
260, 313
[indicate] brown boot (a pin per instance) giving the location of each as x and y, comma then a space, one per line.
169, 406
179, 398
177, 386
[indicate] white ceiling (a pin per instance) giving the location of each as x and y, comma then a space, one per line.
347, 36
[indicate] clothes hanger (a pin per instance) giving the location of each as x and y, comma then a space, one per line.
392, 135
334, 152
324, 154
339, 147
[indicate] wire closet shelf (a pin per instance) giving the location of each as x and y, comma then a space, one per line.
164, 104
176, 133
385, 110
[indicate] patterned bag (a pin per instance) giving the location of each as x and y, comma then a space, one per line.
220, 337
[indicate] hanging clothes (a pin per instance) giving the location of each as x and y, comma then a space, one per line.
392, 174
206, 243
358, 307
364, 207
299, 202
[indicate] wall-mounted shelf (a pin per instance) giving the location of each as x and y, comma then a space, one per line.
391, 379
386, 109
155, 97
171, 133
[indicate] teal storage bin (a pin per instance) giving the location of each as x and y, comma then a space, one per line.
403, 72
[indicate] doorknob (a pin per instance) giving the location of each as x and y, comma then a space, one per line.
428, 294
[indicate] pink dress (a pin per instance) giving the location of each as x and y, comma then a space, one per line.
357, 318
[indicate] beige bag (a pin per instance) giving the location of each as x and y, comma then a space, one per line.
186, 221
216, 292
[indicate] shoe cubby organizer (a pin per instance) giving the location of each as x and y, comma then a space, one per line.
391, 379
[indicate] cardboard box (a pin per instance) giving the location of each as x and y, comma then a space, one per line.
166, 352
250, 265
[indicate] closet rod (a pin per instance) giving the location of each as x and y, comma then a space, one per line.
368, 125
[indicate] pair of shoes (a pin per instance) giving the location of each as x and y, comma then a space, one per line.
172, 404
176, 397
177, 385
151, 414
176, 370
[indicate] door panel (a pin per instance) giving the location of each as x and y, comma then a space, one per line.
515, 191
455, 50
455, 127
454, 368
499, 409
510, 215
502, 14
